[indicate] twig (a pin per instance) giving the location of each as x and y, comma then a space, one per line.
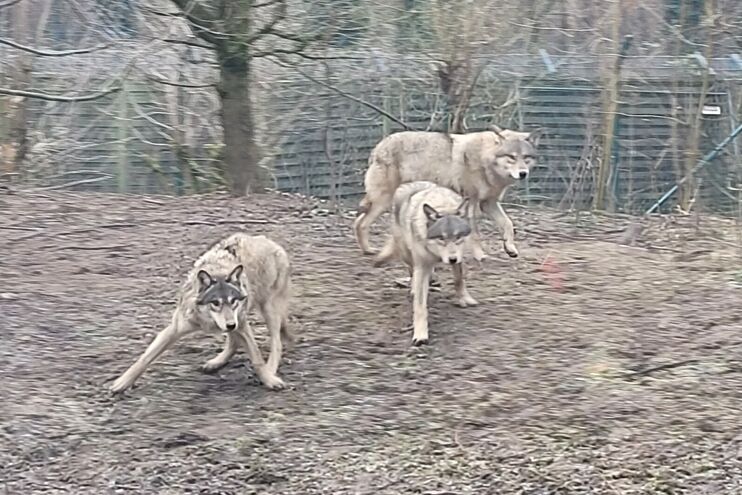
93, 248
48, 97
344, 94
180, 85
52, 53
661, 367
68, 184
225, 222
9, 3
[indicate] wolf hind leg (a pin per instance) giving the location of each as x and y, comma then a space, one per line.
374, 209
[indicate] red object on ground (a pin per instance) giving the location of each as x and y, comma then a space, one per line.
553, 273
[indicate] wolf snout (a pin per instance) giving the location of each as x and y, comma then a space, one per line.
453, 260
231, 326
522, 174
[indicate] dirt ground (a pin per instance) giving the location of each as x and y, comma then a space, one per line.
604, 360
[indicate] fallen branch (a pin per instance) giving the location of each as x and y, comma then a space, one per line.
85, 230
93, 248
69, 184
225, 222
661, 367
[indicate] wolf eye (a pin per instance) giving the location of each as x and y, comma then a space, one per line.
510, 157
215, 304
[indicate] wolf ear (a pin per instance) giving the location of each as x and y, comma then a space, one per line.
234, 276
204, 279
535, 136
462, 210
498, 130
430, 213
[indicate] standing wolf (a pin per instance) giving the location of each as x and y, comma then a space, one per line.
478, 165
237, 274
430, 225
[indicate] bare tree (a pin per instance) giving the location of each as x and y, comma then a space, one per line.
232, 28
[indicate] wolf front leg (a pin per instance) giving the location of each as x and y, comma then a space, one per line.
162, 342
221, 359
420, 280
493, 208
270, 380
463, 298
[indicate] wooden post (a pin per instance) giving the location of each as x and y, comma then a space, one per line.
613, 91
122, 133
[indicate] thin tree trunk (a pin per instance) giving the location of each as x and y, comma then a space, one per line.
240, 152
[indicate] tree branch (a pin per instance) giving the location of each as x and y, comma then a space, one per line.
194, 44
9, 3
343, 93
279, 14
180, 85
202, 23
51, 53
48, 97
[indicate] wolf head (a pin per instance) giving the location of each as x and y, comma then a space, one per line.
515, 156
447, 233
220, 298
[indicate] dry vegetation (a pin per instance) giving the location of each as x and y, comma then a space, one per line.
626, 380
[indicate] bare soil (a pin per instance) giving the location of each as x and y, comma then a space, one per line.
604, 360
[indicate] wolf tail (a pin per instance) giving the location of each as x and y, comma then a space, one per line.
388, 252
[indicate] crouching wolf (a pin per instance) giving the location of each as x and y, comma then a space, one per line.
236, 274
429, 226
478, 165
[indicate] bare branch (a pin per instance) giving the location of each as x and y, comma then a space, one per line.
279, 14
52, 53
342, 93
194, 44
264, 4
48, 97
299, 53
9, 3
180, 85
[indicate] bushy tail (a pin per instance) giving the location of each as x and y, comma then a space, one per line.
388, 252
283, 294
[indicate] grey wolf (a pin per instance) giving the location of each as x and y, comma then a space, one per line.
235, 275
430, 226
478, 165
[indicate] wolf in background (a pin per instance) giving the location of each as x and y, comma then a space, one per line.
430, 226
479, 165
235, 275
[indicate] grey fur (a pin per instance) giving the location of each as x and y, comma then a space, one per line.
430, 227
232, 277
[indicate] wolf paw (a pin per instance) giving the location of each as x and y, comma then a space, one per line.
272, 382
120, 385
466, 301
419, 341
213, 365
511, 250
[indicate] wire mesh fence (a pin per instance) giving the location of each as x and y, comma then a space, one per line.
318, 122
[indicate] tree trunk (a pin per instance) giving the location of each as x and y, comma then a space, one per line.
240, 152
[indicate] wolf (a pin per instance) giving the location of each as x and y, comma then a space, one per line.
235, 275
479, 165
430, 226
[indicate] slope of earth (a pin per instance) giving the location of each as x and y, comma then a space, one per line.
606, 359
